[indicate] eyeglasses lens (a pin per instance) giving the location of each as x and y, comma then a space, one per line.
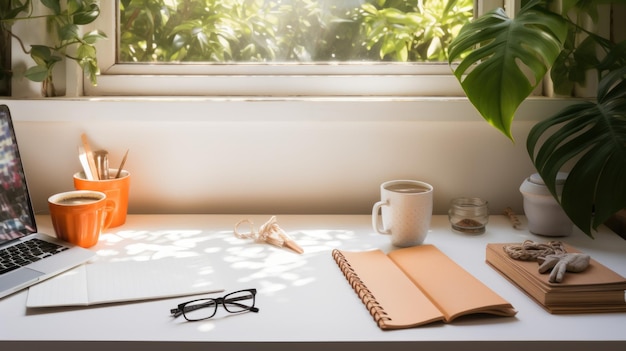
239, 301
200, 309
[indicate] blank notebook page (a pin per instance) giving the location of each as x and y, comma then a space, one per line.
109, 282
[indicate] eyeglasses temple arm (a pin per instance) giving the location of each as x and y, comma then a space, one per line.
176, 312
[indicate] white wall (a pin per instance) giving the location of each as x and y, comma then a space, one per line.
277, 156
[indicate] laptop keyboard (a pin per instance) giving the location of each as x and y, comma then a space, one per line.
26, 252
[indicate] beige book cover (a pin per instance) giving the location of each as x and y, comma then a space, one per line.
415, 286
597, 289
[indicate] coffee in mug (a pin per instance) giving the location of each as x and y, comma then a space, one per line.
79, 200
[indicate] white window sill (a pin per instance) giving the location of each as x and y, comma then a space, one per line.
145, 108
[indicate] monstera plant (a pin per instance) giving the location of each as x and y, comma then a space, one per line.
499, 61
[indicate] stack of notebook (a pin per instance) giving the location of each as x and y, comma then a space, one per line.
597, 289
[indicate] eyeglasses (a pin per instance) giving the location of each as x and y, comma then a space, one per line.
235, 302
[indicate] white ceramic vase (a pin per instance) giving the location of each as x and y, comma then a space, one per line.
545, 215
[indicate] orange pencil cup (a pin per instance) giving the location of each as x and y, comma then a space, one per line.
80, 216
116, 189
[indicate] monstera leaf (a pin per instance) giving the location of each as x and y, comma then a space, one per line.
503, 59
592, 135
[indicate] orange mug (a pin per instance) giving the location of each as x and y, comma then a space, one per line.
80, 216
116, 189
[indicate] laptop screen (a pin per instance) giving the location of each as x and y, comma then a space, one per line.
16, 214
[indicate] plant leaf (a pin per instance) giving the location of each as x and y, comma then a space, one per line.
37, 73
86, 15
54, 5
93, 36
40, 54
68, 32
507, 59
593, 136
9, 13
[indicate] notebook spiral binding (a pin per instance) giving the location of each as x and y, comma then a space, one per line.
375, 309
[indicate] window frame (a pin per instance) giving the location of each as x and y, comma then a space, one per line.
274, 80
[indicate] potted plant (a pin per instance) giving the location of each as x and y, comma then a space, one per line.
499, 61
63, 22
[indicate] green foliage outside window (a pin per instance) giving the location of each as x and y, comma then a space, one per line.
289, 30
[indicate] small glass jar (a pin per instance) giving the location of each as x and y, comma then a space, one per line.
468, 215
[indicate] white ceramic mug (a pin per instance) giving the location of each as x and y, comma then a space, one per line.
406, 207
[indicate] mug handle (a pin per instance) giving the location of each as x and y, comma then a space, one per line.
376, 223
110, 209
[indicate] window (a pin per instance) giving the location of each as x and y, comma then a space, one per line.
285, 31
330, 48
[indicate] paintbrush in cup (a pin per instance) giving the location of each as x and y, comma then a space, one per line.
119, 170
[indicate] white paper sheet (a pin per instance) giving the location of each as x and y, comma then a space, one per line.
108, 282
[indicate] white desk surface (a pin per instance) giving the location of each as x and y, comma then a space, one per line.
304, 300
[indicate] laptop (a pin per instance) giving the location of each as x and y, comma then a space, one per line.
26, 256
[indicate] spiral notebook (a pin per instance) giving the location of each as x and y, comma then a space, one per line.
415, 286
